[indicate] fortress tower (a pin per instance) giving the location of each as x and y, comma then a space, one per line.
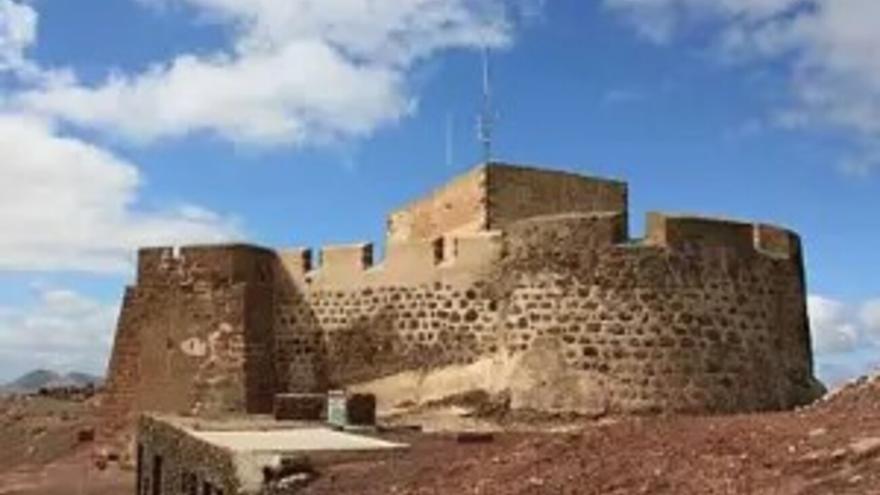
511, 280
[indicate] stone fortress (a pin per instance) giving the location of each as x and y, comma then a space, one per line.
516, 281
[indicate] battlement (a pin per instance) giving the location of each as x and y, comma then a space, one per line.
297, 261
777, 241
405, 262
419, 261
603, 230
682, 232
342, 261
232, 262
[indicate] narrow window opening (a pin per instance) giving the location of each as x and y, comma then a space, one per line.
157, 475
139, 462
439, 250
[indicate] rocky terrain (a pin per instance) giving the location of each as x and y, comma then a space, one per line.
47, 447
831, 447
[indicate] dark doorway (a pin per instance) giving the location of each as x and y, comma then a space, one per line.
139, 480
157, 475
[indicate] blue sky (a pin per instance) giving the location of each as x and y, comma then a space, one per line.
303, 122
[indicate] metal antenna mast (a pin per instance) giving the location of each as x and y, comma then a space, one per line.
486, 120
450, 139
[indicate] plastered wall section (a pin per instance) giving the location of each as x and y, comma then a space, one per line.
195, 335
459, 207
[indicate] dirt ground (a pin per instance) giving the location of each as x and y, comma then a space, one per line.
74, 474
832, 447
41, 452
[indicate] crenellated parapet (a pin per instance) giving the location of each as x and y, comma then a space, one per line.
157, 266
682, 232
405, 262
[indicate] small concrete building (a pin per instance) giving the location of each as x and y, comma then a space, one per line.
239, 455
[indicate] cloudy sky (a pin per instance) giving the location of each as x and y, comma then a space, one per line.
302, 122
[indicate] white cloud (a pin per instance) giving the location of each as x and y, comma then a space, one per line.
296, 71
846, 338
303, 93
18, 31
68, 205
384, 32
63, 330
870, 317
833, 326
829, 48
660, 20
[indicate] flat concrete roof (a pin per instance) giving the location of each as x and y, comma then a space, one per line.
312, 439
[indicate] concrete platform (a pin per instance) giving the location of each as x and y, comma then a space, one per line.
294, 440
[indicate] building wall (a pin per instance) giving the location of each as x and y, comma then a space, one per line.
186, 462
701, 315
195, 335
458, 207
519, 193
493, 196
661, 326
414, 310
673, 323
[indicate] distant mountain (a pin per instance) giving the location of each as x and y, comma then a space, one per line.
35, 380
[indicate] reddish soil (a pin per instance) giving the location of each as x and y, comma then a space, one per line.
74, 474
832, 447
41, 452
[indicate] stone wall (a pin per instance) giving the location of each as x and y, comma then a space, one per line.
711, 322
458, 207
566, 311
412, 311
518, 193
491, 197
195, 335
172, 461
356, 336
691, 325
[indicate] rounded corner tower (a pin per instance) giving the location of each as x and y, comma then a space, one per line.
700, 316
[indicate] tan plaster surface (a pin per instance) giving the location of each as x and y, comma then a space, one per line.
296, 440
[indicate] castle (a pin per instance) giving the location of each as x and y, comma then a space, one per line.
510, 280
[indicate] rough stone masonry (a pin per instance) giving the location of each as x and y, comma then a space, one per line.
509, 280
